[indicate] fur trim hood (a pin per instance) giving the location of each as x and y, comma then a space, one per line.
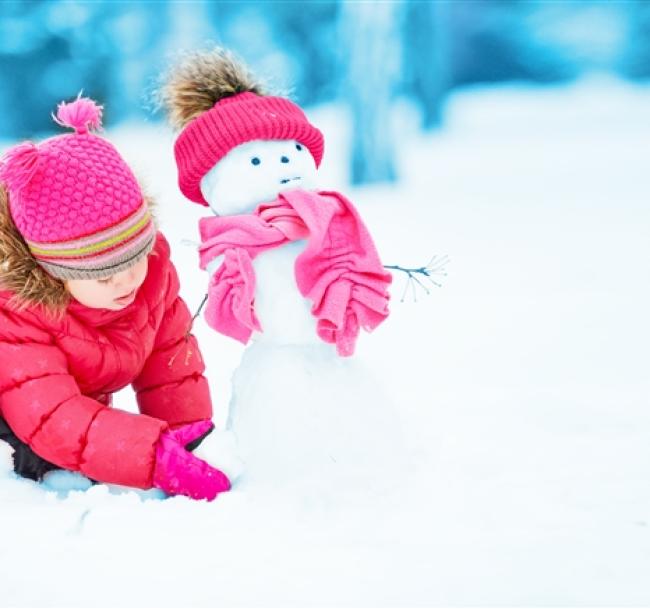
19, 271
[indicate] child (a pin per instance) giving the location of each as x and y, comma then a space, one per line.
89, 304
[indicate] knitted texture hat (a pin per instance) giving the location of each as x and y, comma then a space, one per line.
75, 201
235, 120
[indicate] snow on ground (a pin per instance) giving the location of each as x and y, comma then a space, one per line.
521, 385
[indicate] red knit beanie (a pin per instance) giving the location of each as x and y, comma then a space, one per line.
235, 120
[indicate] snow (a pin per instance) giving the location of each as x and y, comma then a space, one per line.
306, 420
521, 388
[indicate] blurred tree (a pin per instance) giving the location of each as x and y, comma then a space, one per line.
498, 40
370, 38
360, 50
49, 51
635, 62
427, 61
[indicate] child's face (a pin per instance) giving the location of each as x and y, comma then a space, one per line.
113, 293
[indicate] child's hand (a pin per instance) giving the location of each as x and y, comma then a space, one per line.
179, 472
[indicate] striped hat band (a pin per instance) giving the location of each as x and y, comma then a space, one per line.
100, 254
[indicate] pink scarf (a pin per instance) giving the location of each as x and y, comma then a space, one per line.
339, 270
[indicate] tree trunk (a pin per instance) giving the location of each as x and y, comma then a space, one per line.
427, 57
370, 33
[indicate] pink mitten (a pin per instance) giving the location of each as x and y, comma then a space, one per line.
179, 472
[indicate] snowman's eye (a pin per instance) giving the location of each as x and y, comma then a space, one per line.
255, 160
298, 147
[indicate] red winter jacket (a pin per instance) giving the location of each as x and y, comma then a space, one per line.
57, 377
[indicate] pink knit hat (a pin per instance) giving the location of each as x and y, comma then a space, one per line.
235, 120
75, 201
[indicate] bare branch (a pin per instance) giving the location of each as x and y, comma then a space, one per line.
406, 287
415, 279
435, 266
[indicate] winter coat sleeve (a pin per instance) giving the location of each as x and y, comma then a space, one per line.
45, 408
171, 385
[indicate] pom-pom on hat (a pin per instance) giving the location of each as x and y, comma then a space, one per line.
75, 201
234, 120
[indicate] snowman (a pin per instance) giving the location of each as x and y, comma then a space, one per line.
293, 274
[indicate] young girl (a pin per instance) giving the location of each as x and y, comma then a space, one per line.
89, 304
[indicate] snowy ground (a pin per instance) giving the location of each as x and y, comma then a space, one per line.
521, 385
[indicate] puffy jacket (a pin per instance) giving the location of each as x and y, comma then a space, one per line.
57, 376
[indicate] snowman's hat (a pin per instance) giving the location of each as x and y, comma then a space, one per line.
235, 120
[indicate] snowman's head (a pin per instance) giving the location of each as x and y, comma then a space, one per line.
255, 172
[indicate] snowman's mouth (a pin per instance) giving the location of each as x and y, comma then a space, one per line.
287, 180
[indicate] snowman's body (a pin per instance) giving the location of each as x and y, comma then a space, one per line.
255, 173
299, 412
284, 314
